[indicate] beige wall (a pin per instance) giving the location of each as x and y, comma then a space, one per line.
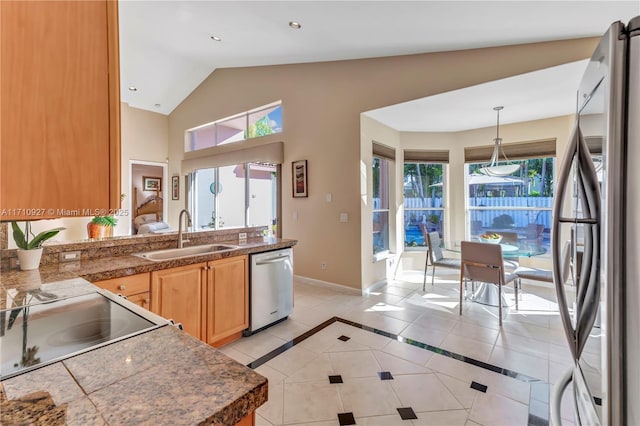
322, 103
144, 136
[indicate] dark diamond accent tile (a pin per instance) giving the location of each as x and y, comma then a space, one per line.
335, 379
407, 413
478, 386
385, 375
597, 400
346, 419
344, 338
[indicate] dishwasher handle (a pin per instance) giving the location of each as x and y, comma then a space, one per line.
273, 260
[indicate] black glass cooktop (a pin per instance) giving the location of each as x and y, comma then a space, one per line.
38, 335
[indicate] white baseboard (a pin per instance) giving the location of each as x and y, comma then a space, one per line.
375, 286
327, 284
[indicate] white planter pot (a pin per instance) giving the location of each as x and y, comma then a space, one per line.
29, 259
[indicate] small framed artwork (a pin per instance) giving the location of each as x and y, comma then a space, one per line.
299, 173
175, 187
151, 183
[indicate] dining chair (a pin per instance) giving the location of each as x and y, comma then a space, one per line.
512, 239
483, 262
546, 275
437, 258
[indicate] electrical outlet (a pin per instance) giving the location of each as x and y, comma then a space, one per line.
323, 265
69, 256
242, 236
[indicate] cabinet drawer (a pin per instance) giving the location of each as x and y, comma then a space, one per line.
141, 299
133, 284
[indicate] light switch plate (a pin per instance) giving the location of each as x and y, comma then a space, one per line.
344, 217
328, 197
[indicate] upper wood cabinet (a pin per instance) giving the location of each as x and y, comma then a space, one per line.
60, 108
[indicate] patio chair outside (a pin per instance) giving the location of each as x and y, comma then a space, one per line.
483, 262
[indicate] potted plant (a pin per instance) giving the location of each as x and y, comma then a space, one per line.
434, 220
30, 251
101, 226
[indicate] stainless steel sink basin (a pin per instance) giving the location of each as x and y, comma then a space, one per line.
178, 253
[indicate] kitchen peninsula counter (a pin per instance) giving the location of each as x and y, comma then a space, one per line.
163, 376
160, 377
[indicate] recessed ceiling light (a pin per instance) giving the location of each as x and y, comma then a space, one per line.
157, 105
133, 88
216, 38
295, 25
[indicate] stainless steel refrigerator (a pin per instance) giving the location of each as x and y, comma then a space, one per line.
597, 207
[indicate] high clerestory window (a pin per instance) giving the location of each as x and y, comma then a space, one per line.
262, 121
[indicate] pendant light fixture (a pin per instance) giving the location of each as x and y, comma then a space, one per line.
493, 169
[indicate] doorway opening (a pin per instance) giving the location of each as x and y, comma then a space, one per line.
148, 188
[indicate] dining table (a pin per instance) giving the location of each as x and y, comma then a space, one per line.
487, 293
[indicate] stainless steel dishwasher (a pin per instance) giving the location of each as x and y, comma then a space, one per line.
271, 292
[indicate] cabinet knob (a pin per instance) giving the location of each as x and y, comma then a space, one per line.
146, 301
121, 287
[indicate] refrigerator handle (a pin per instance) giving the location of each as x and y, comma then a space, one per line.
557, 220
556, 397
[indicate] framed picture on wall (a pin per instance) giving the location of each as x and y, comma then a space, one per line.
175, 187
299, 173
151, 183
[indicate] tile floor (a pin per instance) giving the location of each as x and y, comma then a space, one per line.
347, 373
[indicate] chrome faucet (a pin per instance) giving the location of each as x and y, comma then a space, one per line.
180, 241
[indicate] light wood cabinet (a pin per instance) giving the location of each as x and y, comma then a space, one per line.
210, 299
142, 299
180, 294
136, 288
228, 300
60, 108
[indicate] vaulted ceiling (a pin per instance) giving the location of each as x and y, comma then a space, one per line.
167, 48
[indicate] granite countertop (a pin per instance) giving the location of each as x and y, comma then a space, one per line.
119, 266
159, 377
152, 378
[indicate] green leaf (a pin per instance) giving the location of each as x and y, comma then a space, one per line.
18, 236
105, 220
42, 237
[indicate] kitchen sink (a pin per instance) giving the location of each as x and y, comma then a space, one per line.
178, 253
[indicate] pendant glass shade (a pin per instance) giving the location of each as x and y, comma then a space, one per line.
493, 169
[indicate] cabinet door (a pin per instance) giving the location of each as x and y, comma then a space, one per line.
179, 294
228, 312
60, 108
